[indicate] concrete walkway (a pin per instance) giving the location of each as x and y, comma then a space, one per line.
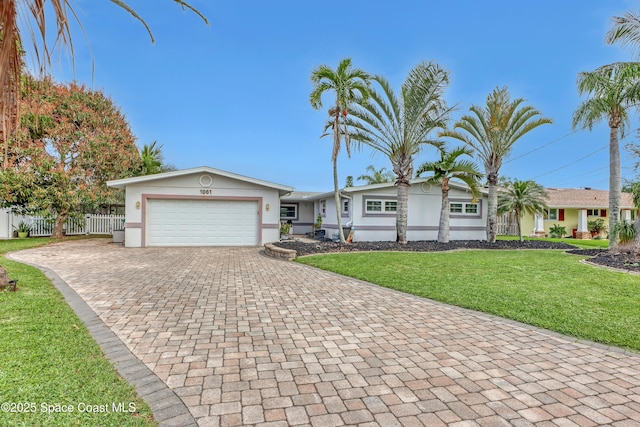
242, 339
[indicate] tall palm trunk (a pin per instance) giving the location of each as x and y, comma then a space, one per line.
614, 183
443, 230
519, 224
336, 189
492, 215
10, 63
401, 216
403, 168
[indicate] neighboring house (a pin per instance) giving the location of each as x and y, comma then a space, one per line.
573, 209
370, 211
201, 206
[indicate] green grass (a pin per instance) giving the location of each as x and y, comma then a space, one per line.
582, 244
47, 357
548, 289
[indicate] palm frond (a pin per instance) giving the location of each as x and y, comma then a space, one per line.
626, 31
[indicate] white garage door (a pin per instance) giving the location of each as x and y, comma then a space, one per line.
182, 222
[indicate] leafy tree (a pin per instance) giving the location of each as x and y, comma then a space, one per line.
349, 181
377, 176
350, 86
11, 48
491, 131
71, 141
400, 126
443, 171
522, 197
613, 89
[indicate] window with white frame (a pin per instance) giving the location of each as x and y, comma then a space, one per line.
464, 208
345, 206
593, 212
552, 214
380, 206
289, 211
471, 208
323, 207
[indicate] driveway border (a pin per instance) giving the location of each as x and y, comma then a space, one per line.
168, 409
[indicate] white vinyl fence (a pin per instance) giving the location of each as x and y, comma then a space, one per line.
41, 226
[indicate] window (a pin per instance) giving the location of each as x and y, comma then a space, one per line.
455, 207
464, 208
345, 206
554, 215
323, 207
593, 212
374, 206
380, 206
289, 211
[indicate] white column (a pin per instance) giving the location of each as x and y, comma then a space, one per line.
539, 224
582, 220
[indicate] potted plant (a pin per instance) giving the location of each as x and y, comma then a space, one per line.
596, 226
317, 228
23, 229
285, 228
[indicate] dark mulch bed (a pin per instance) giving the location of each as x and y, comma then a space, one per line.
417, 246
624, 261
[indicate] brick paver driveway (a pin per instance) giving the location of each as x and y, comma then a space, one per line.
247, 340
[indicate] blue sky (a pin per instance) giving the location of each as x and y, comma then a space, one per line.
235, 95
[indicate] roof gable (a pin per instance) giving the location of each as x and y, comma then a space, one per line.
122, 183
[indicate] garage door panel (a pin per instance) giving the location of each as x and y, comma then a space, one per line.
180, 222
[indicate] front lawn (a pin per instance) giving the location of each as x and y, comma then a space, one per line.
51, 364
545, 288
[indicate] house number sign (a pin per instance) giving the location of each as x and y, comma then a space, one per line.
205, 183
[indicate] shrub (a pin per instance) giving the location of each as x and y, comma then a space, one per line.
557, 231
624, 231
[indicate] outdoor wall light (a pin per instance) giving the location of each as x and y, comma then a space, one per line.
267, 207
138, 204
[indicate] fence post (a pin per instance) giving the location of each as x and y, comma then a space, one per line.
87, 224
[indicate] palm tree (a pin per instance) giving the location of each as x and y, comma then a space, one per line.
350, 86
151, 159
446, 169
399, 127
626, 31
522, 197
491, 132
11, 48
613, 89
376, 176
